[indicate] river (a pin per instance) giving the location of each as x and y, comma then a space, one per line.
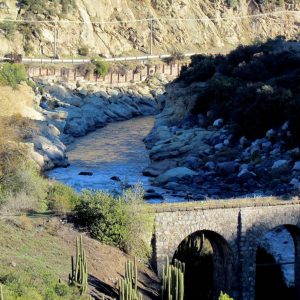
114, 150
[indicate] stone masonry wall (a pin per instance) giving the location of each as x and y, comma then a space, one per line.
242, 226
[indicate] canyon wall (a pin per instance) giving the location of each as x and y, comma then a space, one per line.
169, 31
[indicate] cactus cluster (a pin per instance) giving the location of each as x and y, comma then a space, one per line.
128, 284
173, 281
79, 274
1, 292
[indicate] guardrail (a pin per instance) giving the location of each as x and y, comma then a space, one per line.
87, 60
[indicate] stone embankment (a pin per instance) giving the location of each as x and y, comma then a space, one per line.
199, 158
71, 111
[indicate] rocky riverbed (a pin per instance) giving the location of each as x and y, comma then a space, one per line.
69, 111
199, 158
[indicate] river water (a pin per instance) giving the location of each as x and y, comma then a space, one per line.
114, 150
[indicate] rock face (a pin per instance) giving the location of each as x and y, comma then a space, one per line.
74, 111
118, 38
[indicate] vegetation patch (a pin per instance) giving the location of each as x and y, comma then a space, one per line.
33, 263
253, 89
117, 221
12, 74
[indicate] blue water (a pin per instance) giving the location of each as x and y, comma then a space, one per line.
115, 150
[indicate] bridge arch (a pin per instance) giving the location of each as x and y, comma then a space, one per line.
276, 264
252, 242
209, 264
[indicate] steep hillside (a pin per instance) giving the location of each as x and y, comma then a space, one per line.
170, 32
35, 254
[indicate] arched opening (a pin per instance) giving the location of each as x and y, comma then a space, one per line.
208, 261
276, 264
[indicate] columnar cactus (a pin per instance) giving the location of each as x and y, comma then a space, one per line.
172, 287
128, 284
79, 274
1, 292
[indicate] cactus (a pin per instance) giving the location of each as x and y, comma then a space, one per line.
172, 287
1, 292
128, 284
79, 274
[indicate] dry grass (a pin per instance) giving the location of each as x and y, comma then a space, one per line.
18, 203
15, 101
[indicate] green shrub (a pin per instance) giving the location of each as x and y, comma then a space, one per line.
25, 286
201, 68
12, 74
8, 28
37, 7
232, 3
28, 47
67, 6
83, 50
85, 70
115, 221
101, 67
224, 296
61, 198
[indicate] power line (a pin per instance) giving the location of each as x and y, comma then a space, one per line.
151, 19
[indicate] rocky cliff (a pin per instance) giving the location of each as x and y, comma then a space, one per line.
169, 31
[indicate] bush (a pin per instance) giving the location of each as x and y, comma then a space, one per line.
224, 296
12, 74
101, 67
201, 68
83, 51
85, 70
115, 221
174, 58
255, 89
24, 286
21, 186
61, 198
8, 28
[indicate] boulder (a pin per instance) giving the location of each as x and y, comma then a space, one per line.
280, 167
296, 166
218, 123
175, 174
227, 168
270, 133
245, 176
295, 183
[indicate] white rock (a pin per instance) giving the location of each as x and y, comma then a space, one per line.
296, 166
270, 133
285, 126
218, 123
219, 147
280, 166
243, 141
175, 173
53, 130
295, 183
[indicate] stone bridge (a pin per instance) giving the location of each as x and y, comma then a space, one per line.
234, 230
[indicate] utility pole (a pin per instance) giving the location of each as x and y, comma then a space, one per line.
55, 39
151, 36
